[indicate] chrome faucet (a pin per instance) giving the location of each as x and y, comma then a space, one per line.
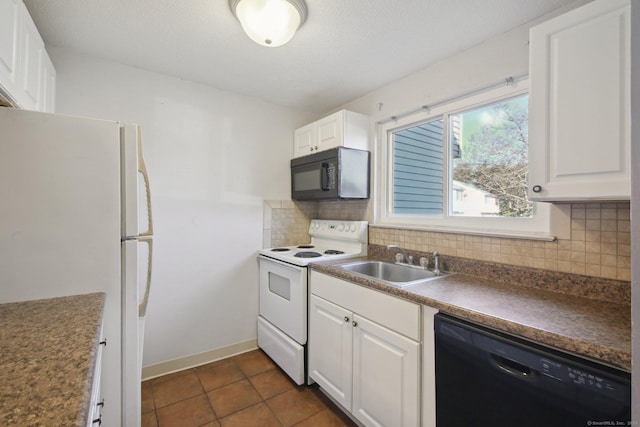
407, 257
436, 263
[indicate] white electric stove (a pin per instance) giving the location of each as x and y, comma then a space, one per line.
330, 240
282, 323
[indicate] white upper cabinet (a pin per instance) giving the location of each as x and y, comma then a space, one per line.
48, 87
579, 112
27, 76
341, 129
304, 140
32, 48
10, 26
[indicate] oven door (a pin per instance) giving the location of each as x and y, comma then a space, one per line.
283, 297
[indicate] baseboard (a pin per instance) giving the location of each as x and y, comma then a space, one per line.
182, 363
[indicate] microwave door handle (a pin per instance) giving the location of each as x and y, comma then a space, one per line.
324, 177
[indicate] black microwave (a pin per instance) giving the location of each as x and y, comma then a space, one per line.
338, 173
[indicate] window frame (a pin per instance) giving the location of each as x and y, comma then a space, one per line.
539, 226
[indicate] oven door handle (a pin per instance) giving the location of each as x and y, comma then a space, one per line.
282, 263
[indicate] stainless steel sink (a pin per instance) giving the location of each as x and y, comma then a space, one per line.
393, 274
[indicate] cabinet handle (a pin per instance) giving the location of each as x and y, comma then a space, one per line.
97, 420
537, 188
354, 323
103, 342
101, 403
346, 319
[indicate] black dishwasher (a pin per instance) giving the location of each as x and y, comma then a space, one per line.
488, 378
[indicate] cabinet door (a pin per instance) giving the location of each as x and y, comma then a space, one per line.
46, 101
331, 131
10, 26
386, 376
330, 349
579, 123
31, 67
304, 141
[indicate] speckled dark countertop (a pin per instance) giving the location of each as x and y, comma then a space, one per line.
587, 316
47, 359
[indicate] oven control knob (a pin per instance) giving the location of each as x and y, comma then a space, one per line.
341, 227
353, 228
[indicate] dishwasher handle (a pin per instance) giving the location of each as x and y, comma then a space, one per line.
513, 368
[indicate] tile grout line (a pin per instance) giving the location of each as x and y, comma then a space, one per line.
204, 391
245, 377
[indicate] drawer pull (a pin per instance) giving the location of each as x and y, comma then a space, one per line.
346, 319
354, 323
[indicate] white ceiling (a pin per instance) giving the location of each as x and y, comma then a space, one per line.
345, 49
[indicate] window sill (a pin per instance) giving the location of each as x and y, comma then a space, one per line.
470, 232
557, 225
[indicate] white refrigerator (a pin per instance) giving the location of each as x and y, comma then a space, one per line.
75, 217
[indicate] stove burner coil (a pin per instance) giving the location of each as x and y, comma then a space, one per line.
280, 249
333, 252
307, 255
305, 246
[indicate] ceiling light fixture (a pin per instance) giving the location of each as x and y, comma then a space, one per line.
270, 23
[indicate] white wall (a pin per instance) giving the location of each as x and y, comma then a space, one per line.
489, 63
213, 157
492, 61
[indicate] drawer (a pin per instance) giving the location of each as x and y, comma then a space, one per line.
394, 313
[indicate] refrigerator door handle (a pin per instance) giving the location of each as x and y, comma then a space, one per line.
142, 306
142, 168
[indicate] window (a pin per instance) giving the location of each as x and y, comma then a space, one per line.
491, 161
462, 166
418, 169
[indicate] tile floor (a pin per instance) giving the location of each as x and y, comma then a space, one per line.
244, 390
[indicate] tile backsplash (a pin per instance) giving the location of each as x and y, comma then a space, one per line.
599, 246
286, 223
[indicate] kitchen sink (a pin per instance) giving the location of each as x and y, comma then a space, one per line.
398, 275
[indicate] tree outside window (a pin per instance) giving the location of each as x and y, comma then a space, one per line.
490, 158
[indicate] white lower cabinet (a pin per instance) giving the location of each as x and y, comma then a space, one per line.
386, 380
428, 368
331, 349
368, 365
96, 402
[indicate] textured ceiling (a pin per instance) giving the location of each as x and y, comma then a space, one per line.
345, 49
